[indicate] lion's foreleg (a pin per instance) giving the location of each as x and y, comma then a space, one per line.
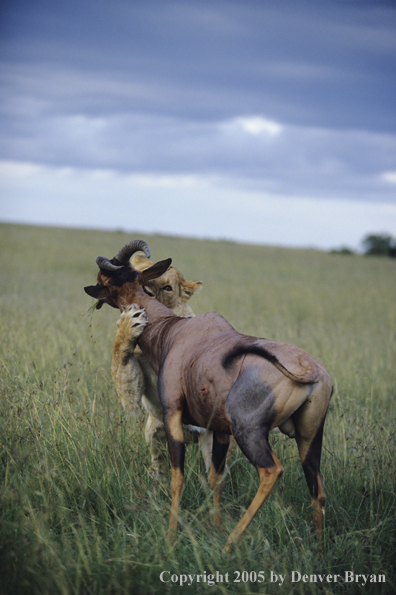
125, 369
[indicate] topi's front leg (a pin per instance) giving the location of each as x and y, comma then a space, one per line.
219, 454
125, 369
175, 438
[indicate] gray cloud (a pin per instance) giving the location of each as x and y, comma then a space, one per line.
281, 98
294, 161
327, 64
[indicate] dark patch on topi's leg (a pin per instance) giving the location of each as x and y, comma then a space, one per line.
219, 453
177, 451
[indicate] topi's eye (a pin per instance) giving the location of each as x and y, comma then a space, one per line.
167, 288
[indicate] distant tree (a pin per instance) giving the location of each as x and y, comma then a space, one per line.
342, 250
379, 245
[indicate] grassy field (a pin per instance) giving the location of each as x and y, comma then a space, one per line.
79, 510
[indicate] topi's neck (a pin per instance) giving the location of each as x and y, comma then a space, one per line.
154, 309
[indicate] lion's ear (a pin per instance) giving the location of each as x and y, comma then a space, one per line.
188, 288
141, 262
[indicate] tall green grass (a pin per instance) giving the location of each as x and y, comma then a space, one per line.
79, 510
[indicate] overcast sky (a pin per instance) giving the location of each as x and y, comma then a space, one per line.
265, 121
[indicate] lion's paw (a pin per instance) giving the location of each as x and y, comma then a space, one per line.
133, 321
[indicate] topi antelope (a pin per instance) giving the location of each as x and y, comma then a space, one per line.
211, 376
134, 378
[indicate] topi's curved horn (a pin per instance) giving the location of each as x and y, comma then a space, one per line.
126, 251
105, 264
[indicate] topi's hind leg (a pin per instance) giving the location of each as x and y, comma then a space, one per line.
219, 454
310, 453
250, 404
309, 423
268, 478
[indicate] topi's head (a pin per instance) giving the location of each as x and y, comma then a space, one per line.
118, 282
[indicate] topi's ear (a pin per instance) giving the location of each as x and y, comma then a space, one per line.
158, 269
99, 292
188, 288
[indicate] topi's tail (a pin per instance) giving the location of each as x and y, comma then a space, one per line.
245, 349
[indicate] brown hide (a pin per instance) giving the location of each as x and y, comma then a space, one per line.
195, 350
